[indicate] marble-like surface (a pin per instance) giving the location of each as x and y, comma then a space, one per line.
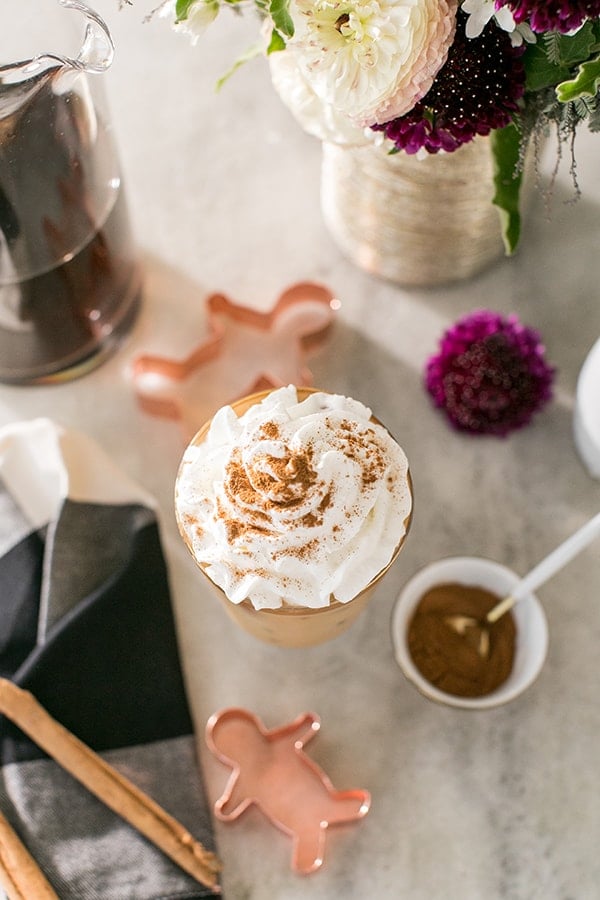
224, 195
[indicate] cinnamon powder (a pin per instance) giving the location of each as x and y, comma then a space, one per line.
282, 482
451, 661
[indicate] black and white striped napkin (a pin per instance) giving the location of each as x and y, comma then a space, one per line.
86, 625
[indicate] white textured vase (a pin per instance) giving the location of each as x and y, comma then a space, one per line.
414, 221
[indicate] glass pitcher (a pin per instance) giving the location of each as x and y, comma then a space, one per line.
69, 276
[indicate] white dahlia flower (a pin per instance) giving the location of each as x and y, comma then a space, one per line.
367, 60
320, 119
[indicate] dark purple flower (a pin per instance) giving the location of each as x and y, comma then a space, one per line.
552, 15
490, 375
475, 91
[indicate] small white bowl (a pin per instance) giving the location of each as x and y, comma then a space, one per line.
530, 620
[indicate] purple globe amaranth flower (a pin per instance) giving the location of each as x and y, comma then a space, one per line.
490, 375
477, 90
552, 15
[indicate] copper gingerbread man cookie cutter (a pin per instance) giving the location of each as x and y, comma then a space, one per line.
246, 351
270, 770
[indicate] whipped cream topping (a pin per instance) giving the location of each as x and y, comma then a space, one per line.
294, 502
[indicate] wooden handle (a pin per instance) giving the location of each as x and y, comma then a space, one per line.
20, 875
102, 780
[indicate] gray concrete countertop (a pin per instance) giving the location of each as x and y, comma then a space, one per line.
224, 196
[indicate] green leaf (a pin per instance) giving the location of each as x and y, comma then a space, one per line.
252, 52
182, 8
585, 84
550, 60
540, 72
282, 20
276, 43
575, 48
506, 145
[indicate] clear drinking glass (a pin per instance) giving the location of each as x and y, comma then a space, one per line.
288, 625
69, 276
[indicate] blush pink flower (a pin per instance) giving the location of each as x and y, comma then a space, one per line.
490, 375
366, 60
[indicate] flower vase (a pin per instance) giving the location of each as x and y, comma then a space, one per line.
414, 221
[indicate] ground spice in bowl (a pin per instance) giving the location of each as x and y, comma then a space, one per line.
451, 661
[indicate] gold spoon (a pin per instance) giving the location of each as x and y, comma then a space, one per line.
539, 575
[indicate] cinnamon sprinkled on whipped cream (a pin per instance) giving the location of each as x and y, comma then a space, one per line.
294, 502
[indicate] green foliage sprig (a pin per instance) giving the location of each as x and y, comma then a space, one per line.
562, 91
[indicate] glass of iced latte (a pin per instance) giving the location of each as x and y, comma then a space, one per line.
294, 503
